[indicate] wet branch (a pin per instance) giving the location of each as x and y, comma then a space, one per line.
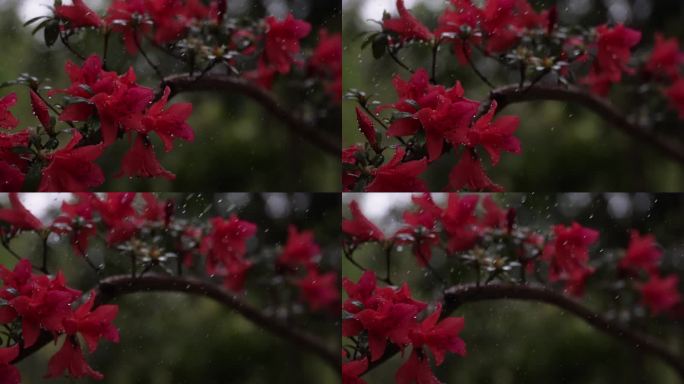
510, 94
118, 286
212, 82
458, 295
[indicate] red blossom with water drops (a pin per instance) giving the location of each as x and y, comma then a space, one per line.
73, 168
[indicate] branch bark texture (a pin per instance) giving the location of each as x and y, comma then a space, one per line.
459, 295
187, 83
118, 286
512, 94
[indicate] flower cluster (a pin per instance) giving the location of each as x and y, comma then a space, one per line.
485, 243
39, 303
183, 24
101, 106
429, 119
660, 294
300, 258
150, 238
388, 314
121, 107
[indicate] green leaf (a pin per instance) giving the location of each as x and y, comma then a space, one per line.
76, 100
379, 46
33, 20
398, 115
51, 33
40, 26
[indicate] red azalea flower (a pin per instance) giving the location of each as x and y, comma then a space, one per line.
469, 174
447, 120
7, 119
93, 325
141, 161
70, 359
352, 370
43, 304
13, 166
78, 15
11, 178
439, 337
367, 128
407, 26
225, 248
666, 58
40, 109
496, 136
388, 322
320, 291
169, 19
120, 19
86, 81
427, 216
72, 169
395, 176
123, 107
675, 94
326, 62
416, 370
300, 250
361, 291
76, 221
282, 41
660, 294
420, 232
443, 112
643, 253
460, 222
463, 13
359, 228
494, 217
169, 122
18, 216
569, 255
234, 273
118, 215
8, 373
227, 239
612, 57
16, 278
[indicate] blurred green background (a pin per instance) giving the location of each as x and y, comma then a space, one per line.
238, 146
565, 147
512, 342
174, 338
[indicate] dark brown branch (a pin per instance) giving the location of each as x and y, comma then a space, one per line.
458, 295
511, 94
118, 286
187, 83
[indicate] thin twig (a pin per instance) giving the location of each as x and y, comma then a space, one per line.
71, 49
105, 49
156, 69
399, 62
464, 47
